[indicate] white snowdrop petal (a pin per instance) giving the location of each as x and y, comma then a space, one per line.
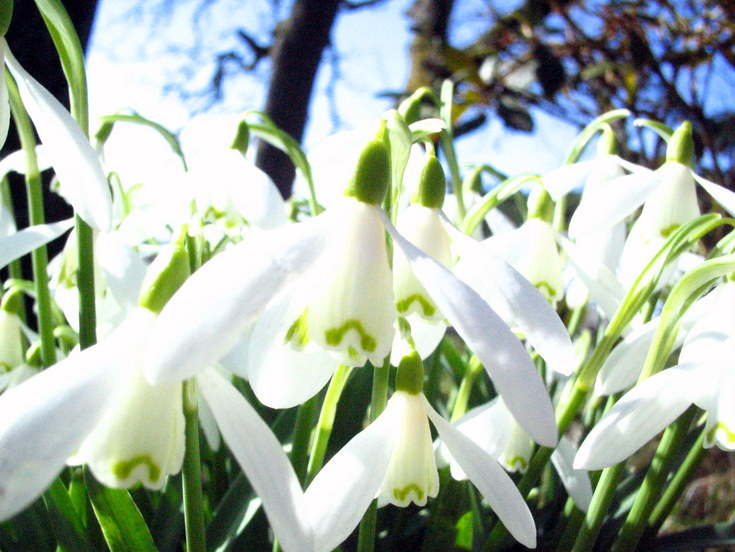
576, 482
490, 479
24, 241
722, 195
262, 459
72, 156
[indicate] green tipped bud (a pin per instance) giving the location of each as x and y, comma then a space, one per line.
33, 355
681, 145
242, 138
410, 374
432, 184
540, 205
165, 275
12, 300
371, 178
6, 14
608, 142
410, 108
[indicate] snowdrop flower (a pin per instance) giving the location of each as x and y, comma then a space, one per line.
393, 458
668, 196
76, 164
95, 407
342, 253
493, 428
705, 376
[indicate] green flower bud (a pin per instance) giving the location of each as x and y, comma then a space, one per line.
12, 300
410, 375
432, 184
540, 205
681, 145
165, 275
242, 138
371, 178
410, 108
608, 143
6, 14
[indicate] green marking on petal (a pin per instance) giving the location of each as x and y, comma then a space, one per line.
546, 289
334, 336
517, 463
720, 426
402, 494
427, 308
5, 367
297, 334
123, 469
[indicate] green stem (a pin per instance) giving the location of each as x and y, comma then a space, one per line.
326, 421
85, 284
650, 489
34, 190
601, 499
663, 507
192, 481
379, 398
302, 436
474, 368
447, 141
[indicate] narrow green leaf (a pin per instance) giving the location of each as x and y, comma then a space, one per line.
122, 524
590, 130
71, 54
65, 520
135, 118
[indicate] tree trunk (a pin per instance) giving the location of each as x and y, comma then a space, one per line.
296, 55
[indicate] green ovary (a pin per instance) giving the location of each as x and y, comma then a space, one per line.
427, 308
518, 463
402, 494
123, 469
335, 336
546, 289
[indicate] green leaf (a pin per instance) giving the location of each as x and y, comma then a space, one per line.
135, 118
591, 129
122, 524
65, 520
71, 54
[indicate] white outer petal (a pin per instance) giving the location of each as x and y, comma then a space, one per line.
72, 156
490, 479
576, 482
24, 241
722, 195
504, 357
262, 460
637, 417
508, 291
46, 418
209, 313
282, 377
608, 205
4, 105
566, 178
623, 366
341, 492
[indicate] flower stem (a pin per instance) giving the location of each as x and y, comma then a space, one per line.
379, 398
649, 491
664, 506
85, 284
604, 492
474, 368
39, 256
302, 436
192, 483
326, 421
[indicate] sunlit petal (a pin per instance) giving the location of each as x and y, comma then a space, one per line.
280, 375
636, 418
72, 156
46, 418
576, 482
608, 205
341, 492
624, 363
262, 460
24, 241
504, 357
722, 195
490, 479
566, 178
507, 291
214, 307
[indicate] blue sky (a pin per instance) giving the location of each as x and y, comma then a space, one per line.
133, 59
